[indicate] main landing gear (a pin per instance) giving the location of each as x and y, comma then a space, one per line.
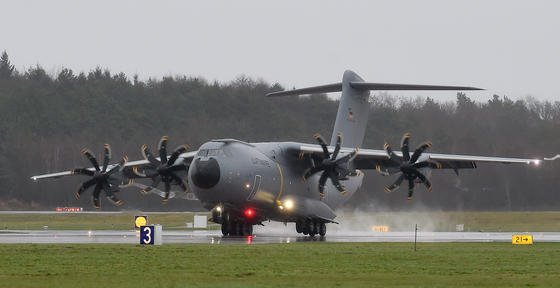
237, 228
311, 227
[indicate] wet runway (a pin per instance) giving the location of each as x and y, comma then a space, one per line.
261, 236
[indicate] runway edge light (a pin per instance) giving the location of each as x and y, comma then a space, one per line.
139, 221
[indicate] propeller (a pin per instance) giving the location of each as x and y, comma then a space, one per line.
333, 168
163, 170
408, 166
101, 178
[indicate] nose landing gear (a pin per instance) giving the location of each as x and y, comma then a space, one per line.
232, 226
237, 228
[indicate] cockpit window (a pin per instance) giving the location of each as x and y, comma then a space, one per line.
209, 152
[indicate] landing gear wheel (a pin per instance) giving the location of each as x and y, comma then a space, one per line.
225, 228
322, 229
304, 228
299, 228
239, 229
247, 229
311, 228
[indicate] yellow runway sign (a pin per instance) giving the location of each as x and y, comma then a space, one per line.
522, 239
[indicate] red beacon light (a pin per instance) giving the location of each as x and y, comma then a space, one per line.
249, 213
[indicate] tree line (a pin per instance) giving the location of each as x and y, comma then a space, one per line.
45, 120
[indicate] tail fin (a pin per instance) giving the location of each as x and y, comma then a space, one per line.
352, 115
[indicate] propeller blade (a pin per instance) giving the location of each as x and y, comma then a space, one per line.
312, 171
155, 182
83, 171
410, 188
163, 149
322, 182
178, 151
179, 181
96, 192
424, 180
321, 141
386, 171
111, 196
418, 152
336, 183
91, 158
106, 156
395, 184
337, 147
148, 155
137, 172
167, 189
347, 158
119, 166
84, 186
404, 146
392, 156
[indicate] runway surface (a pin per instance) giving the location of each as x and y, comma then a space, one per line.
261, 236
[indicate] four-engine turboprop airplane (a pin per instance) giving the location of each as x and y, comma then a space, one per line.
244, 184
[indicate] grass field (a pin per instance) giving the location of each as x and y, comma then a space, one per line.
434, 221
316, 264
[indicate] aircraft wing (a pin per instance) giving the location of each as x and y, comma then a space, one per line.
127, 171
376, 159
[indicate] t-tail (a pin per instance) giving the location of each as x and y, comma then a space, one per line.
353, 110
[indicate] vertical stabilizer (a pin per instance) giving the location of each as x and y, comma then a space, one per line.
352, 115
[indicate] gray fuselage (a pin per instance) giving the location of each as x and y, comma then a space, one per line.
264, 177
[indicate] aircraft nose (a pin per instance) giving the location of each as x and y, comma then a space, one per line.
206, 173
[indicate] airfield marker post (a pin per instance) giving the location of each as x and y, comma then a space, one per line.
415, 235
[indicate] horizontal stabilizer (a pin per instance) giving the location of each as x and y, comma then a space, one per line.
389, 86
337, 87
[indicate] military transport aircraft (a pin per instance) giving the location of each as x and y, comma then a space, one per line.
245, 184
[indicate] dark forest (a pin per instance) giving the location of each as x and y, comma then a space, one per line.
47, 119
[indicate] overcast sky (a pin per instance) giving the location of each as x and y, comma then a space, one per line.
508, 47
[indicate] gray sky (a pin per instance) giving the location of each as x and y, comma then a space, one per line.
508, 47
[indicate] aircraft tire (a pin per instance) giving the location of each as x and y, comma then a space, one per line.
322, 229
311, 228
232, 228
239, 229
225, 228
298, 227
304, 228
247, 229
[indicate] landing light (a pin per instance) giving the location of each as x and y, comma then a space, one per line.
247, 186
537, 162
289, 204
219, 208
